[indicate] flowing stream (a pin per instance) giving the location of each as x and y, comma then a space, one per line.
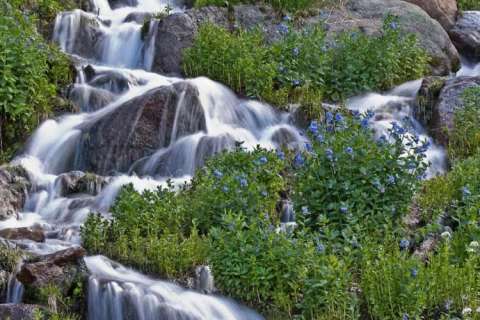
110, 76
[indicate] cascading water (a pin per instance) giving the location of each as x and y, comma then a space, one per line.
102, 89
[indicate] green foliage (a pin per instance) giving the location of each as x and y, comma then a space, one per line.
9, 257
464, 139
147, 231
58, 305
303, 66
32, 73
282, 5
350, 184
281, 273
244, 182
397, 285
468, 5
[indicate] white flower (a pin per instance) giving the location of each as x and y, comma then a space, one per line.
446, 235
474, 244
466, 311
478, 310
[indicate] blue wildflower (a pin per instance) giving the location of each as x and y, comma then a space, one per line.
313, 127
370, 114
299, 160
287, 18
225, 189
391, 179
263, 160
344, 209
320, 248
412, 165
320, 138
349, 150
414, 273
280, 155
296, 83
308, 147
405, 317
264, 193
329, 117
338, 117
243, 182
281, 69
393, 25
283, 28
296, 52
364, 122
356, 114
218, 174
329, 154
404, 244
397, 129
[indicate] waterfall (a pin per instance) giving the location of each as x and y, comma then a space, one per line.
207, 118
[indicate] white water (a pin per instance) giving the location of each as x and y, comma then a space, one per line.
116, 292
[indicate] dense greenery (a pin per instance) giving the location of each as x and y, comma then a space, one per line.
464, 139
347, 258
33, 72
302, 66
283, 5
468, 5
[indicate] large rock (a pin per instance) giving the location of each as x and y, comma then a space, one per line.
35, 233
10, 311
14, 186
64, 269
141, 126
437, 102
89, 99
444, 11
369, 15
466, 34
76, 182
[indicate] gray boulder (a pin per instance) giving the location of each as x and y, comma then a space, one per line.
35, 233
444, 11
76, 182
14, 186
141, 126
466, 34
438, 99
10, 311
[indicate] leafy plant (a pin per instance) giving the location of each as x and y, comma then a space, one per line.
349, 184
464, 139
468, 5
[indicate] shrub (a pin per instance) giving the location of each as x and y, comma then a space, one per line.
349, 184
399, 286
280, 273
468, 5
245, 182
283, 5
32, 73
302, 66
464, 139
147, 231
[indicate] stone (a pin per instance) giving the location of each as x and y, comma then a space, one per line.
89, 99
35, 233
76, 182
466, 34
204, 281
444, 11
140, 127
437, 101
14, 186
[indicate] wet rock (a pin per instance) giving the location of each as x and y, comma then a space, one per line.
204, 280
89, 99
466, 34
175, 33
79, 182
86, 39
438, 99
138, 17
141, 126
63, 269
14, 185
115, 4
111, 80
444, 11
12, 311
35, 233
